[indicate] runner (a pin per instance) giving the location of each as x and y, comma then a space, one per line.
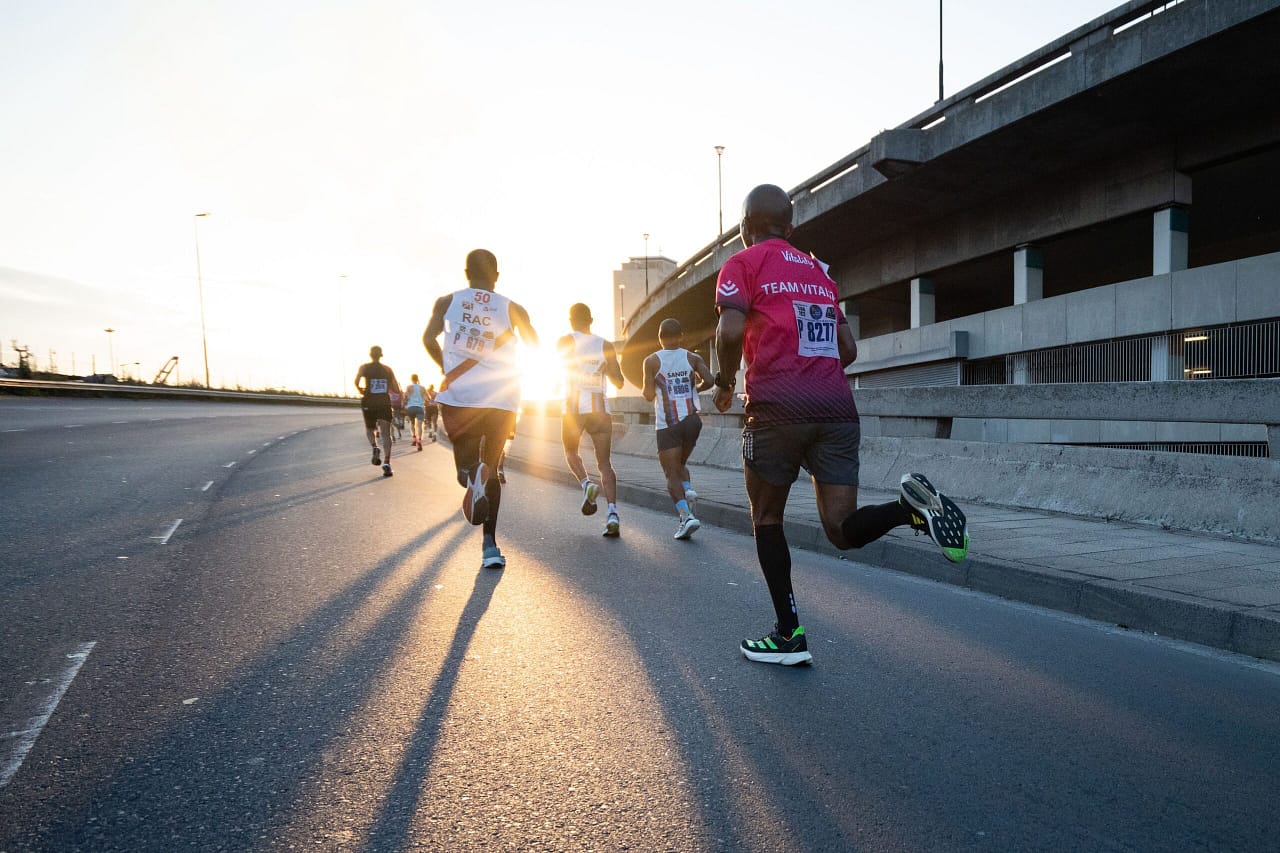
379, 383
673, 376
480, 394
433, 411
778, 308
588, 359
415, 407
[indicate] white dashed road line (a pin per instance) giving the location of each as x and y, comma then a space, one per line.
164, 538
229, 465
25, 737
206, 486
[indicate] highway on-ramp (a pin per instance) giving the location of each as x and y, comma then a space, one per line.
222, 629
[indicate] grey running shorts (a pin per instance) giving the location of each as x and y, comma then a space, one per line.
829, 452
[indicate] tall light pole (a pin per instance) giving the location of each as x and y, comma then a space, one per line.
342, 357
622, 308
720, 185
646, 264
204, 340
939, 50
111, 348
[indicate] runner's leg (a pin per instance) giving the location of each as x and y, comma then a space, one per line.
571, 438
602, 441
768, 504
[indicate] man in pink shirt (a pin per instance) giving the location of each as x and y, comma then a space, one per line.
779, 310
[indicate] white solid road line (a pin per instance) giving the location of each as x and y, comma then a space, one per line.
206, 486
71, 426
25, 738
16, 430
164, 539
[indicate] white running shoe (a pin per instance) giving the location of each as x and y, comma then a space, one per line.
492, 558
691, 496
589, 493
612, 527
688, 524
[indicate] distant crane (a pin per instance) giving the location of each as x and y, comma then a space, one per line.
163, 375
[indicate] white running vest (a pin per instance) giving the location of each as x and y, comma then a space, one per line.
676, 384
584, 384
477, 328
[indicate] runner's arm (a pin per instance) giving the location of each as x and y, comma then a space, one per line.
848, 346
611, 367
359, 376
650, 389
434, 327
729, 330
701, 371
520, 319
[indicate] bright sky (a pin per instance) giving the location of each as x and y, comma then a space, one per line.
351, 153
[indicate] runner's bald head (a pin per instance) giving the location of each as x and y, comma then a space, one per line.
669, 332
766, 213
482, 268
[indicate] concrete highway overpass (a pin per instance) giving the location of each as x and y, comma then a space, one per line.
1103, 209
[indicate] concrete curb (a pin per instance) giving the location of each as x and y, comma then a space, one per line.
1246, 631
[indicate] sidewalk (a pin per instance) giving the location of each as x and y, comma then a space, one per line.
1207, 590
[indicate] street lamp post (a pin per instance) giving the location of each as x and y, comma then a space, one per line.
720, 186
646, 264
342, 353
204, 340
622, 308
111, 349
939, 50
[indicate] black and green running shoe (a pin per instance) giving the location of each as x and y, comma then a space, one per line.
776, 648
935, 515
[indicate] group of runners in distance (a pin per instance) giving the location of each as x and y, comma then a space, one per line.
777, 310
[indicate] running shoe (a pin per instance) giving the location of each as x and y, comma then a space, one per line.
502, 475
612, 526
475, 504
691, 496
687, 525
377, 457
774, 648
386, 470
935, 515
419, 444
589, 492
492, 558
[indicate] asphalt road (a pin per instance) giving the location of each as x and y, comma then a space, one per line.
313, 659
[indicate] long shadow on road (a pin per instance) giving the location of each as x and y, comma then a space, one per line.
225, 776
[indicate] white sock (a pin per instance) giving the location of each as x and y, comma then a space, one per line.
613, 509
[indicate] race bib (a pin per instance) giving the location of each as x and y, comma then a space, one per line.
678, 385
816, 330
377, 386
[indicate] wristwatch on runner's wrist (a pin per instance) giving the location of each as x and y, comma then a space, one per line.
719, 383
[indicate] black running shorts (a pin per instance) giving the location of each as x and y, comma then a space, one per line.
829, 452
683, 435
375, 411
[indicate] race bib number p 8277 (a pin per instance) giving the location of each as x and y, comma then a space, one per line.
816, 330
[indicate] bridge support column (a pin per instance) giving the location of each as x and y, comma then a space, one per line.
922, 297
1169, 240
1028, 274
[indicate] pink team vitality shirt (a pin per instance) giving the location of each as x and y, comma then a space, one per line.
793, 361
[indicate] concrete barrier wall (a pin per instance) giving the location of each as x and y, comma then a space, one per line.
1196, 492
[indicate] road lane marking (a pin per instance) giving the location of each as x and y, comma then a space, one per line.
71, 426
206, 486
16, 430
164, 538
228, 465
266, 444
251, 452
25, 738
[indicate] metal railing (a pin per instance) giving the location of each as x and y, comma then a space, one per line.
1245, 351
